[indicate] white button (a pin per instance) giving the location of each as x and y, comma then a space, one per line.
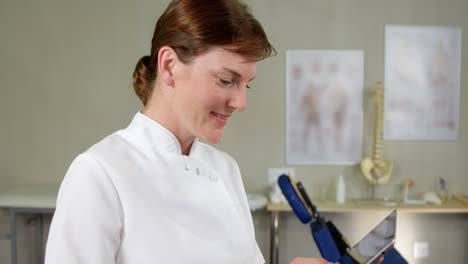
213, 177
187, 166
199, 171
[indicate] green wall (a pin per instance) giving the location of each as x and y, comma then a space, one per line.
65, 71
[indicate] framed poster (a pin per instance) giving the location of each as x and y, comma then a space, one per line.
422, 82
324, 108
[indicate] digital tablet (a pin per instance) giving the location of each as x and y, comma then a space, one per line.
377, 243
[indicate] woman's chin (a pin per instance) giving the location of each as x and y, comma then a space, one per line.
214, 138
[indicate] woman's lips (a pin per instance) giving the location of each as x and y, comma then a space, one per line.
219, 117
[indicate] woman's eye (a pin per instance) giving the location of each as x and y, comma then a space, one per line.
226, 82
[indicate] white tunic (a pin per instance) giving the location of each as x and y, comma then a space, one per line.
133, 198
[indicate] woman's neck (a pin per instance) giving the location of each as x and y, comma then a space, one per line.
163, 116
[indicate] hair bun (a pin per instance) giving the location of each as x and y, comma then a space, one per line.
143, 78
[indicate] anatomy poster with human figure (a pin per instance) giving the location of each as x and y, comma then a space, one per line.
422, 82
324, 106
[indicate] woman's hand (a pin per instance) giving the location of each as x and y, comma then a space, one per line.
317, 261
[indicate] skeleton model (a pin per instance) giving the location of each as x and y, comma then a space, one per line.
376, 169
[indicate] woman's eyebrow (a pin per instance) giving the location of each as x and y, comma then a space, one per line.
233, 72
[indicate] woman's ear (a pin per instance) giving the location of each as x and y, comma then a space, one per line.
167, 58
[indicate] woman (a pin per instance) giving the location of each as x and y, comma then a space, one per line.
152, 193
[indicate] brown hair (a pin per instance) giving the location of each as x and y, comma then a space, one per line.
191, 27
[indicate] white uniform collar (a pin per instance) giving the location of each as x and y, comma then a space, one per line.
156, 136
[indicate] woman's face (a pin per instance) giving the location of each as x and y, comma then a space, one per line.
208, 90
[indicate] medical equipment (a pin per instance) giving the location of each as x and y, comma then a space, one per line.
332, 245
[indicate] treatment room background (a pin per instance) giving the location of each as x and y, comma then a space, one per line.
65, 71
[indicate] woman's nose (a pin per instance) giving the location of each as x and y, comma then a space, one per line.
238, 100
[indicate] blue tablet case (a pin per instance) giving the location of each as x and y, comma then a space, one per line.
293, 199
324, 241
320, 232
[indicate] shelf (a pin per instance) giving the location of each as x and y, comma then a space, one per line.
28, 196
451, 206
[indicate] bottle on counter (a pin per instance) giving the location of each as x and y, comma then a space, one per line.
340, 190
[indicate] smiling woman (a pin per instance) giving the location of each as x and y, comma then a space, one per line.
190, 28
151, 193
196, 46
196, 99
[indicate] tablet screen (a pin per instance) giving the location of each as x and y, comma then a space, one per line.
378, 242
